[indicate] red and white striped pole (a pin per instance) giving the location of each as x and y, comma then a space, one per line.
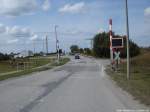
110, 32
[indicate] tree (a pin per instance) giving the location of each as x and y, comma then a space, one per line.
81, 50
87, 51
101, 47
4, 57
74, 49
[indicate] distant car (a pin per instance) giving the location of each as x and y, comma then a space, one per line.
77, 56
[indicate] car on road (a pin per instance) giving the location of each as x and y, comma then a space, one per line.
77, 56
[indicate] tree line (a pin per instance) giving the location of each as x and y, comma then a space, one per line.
75, 49
101, 46
4, 57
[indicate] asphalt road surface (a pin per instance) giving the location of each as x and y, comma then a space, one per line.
79, 86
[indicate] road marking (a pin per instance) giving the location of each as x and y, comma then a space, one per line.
84, 77
41, 100
102, 71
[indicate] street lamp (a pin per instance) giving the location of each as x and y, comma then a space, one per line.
127, 38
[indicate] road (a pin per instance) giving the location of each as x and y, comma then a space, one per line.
79, 86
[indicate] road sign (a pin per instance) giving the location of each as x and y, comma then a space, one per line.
117, 43
117, 56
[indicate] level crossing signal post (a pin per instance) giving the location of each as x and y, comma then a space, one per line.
115, 45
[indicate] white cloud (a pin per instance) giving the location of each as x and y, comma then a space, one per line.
12, 41
147, 11
100, 30
14, 34
34, 37
73, 8
2, 28
19, 32
17, 7
46, 5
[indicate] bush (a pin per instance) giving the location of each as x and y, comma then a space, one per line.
74, 49
4, 57
102, 43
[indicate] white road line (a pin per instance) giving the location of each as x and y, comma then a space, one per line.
76, 77
102, 71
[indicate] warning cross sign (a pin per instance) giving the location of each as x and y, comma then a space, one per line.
117, 56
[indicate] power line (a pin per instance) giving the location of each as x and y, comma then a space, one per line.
65, 33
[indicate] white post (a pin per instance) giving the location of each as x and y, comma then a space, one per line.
57, 44
111, 50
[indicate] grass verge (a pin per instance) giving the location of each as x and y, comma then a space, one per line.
139, 84
26, 63
38, 69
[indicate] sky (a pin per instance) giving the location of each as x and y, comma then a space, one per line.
24, 24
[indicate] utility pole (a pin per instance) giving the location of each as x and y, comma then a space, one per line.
43, 46
127, 38
34, 46
91, 44
57, 43
46, 44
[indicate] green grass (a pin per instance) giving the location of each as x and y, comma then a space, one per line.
5, 66
61, 62
40, 62
36, 68
139, 83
